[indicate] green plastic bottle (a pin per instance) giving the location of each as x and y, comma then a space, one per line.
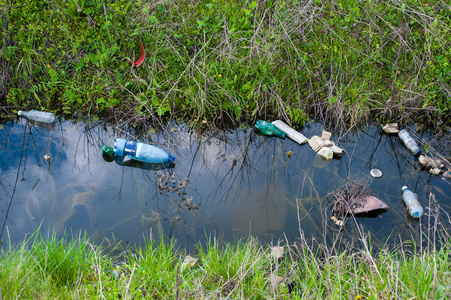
269, 129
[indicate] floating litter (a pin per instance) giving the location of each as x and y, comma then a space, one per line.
376, 173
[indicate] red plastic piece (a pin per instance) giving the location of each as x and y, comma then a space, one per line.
140, 60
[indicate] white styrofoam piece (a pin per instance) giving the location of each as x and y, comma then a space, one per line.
291, 133
326, 153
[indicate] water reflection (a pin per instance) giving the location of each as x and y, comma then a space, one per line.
230, 183
126, 162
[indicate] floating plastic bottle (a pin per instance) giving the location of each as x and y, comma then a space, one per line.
409, 142
140, 151
269, 129
109, 156
412, 203
39, 116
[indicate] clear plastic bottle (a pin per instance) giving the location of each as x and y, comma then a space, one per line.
409, 142
39, 116
269, 129
142, 152
412, 203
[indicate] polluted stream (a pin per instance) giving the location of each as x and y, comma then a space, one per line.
227, 184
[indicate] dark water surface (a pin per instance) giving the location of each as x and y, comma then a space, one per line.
228, 184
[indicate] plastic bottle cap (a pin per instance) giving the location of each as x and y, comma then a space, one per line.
417, 214
376, 173
404, 188
108, 150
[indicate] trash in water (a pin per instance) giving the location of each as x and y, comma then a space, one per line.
316, 143
413, 206
434, 165
38, 116
355, 199
142, 152
291, 133
391, 128
108, 153
431, 162
326, 135
376, 173
326, 153
409, 142
269, 129
338, 152
109, 156
337, 221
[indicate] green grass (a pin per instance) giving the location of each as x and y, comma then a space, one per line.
72, 268
341, 62
42, 267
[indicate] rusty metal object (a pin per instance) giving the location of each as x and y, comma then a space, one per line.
356, 199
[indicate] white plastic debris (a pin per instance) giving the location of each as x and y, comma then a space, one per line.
316, 143
291, 133
326, 135
337, 221
376, 173
277, 252
337, 151
391, 128
326, 153
430, 162
189, 262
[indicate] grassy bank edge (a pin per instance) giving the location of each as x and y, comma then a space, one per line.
71, 267
342, 62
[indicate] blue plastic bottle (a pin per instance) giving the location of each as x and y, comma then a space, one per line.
142, 152
411, 202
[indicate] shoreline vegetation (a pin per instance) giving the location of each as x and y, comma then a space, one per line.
72, 267
341, 63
